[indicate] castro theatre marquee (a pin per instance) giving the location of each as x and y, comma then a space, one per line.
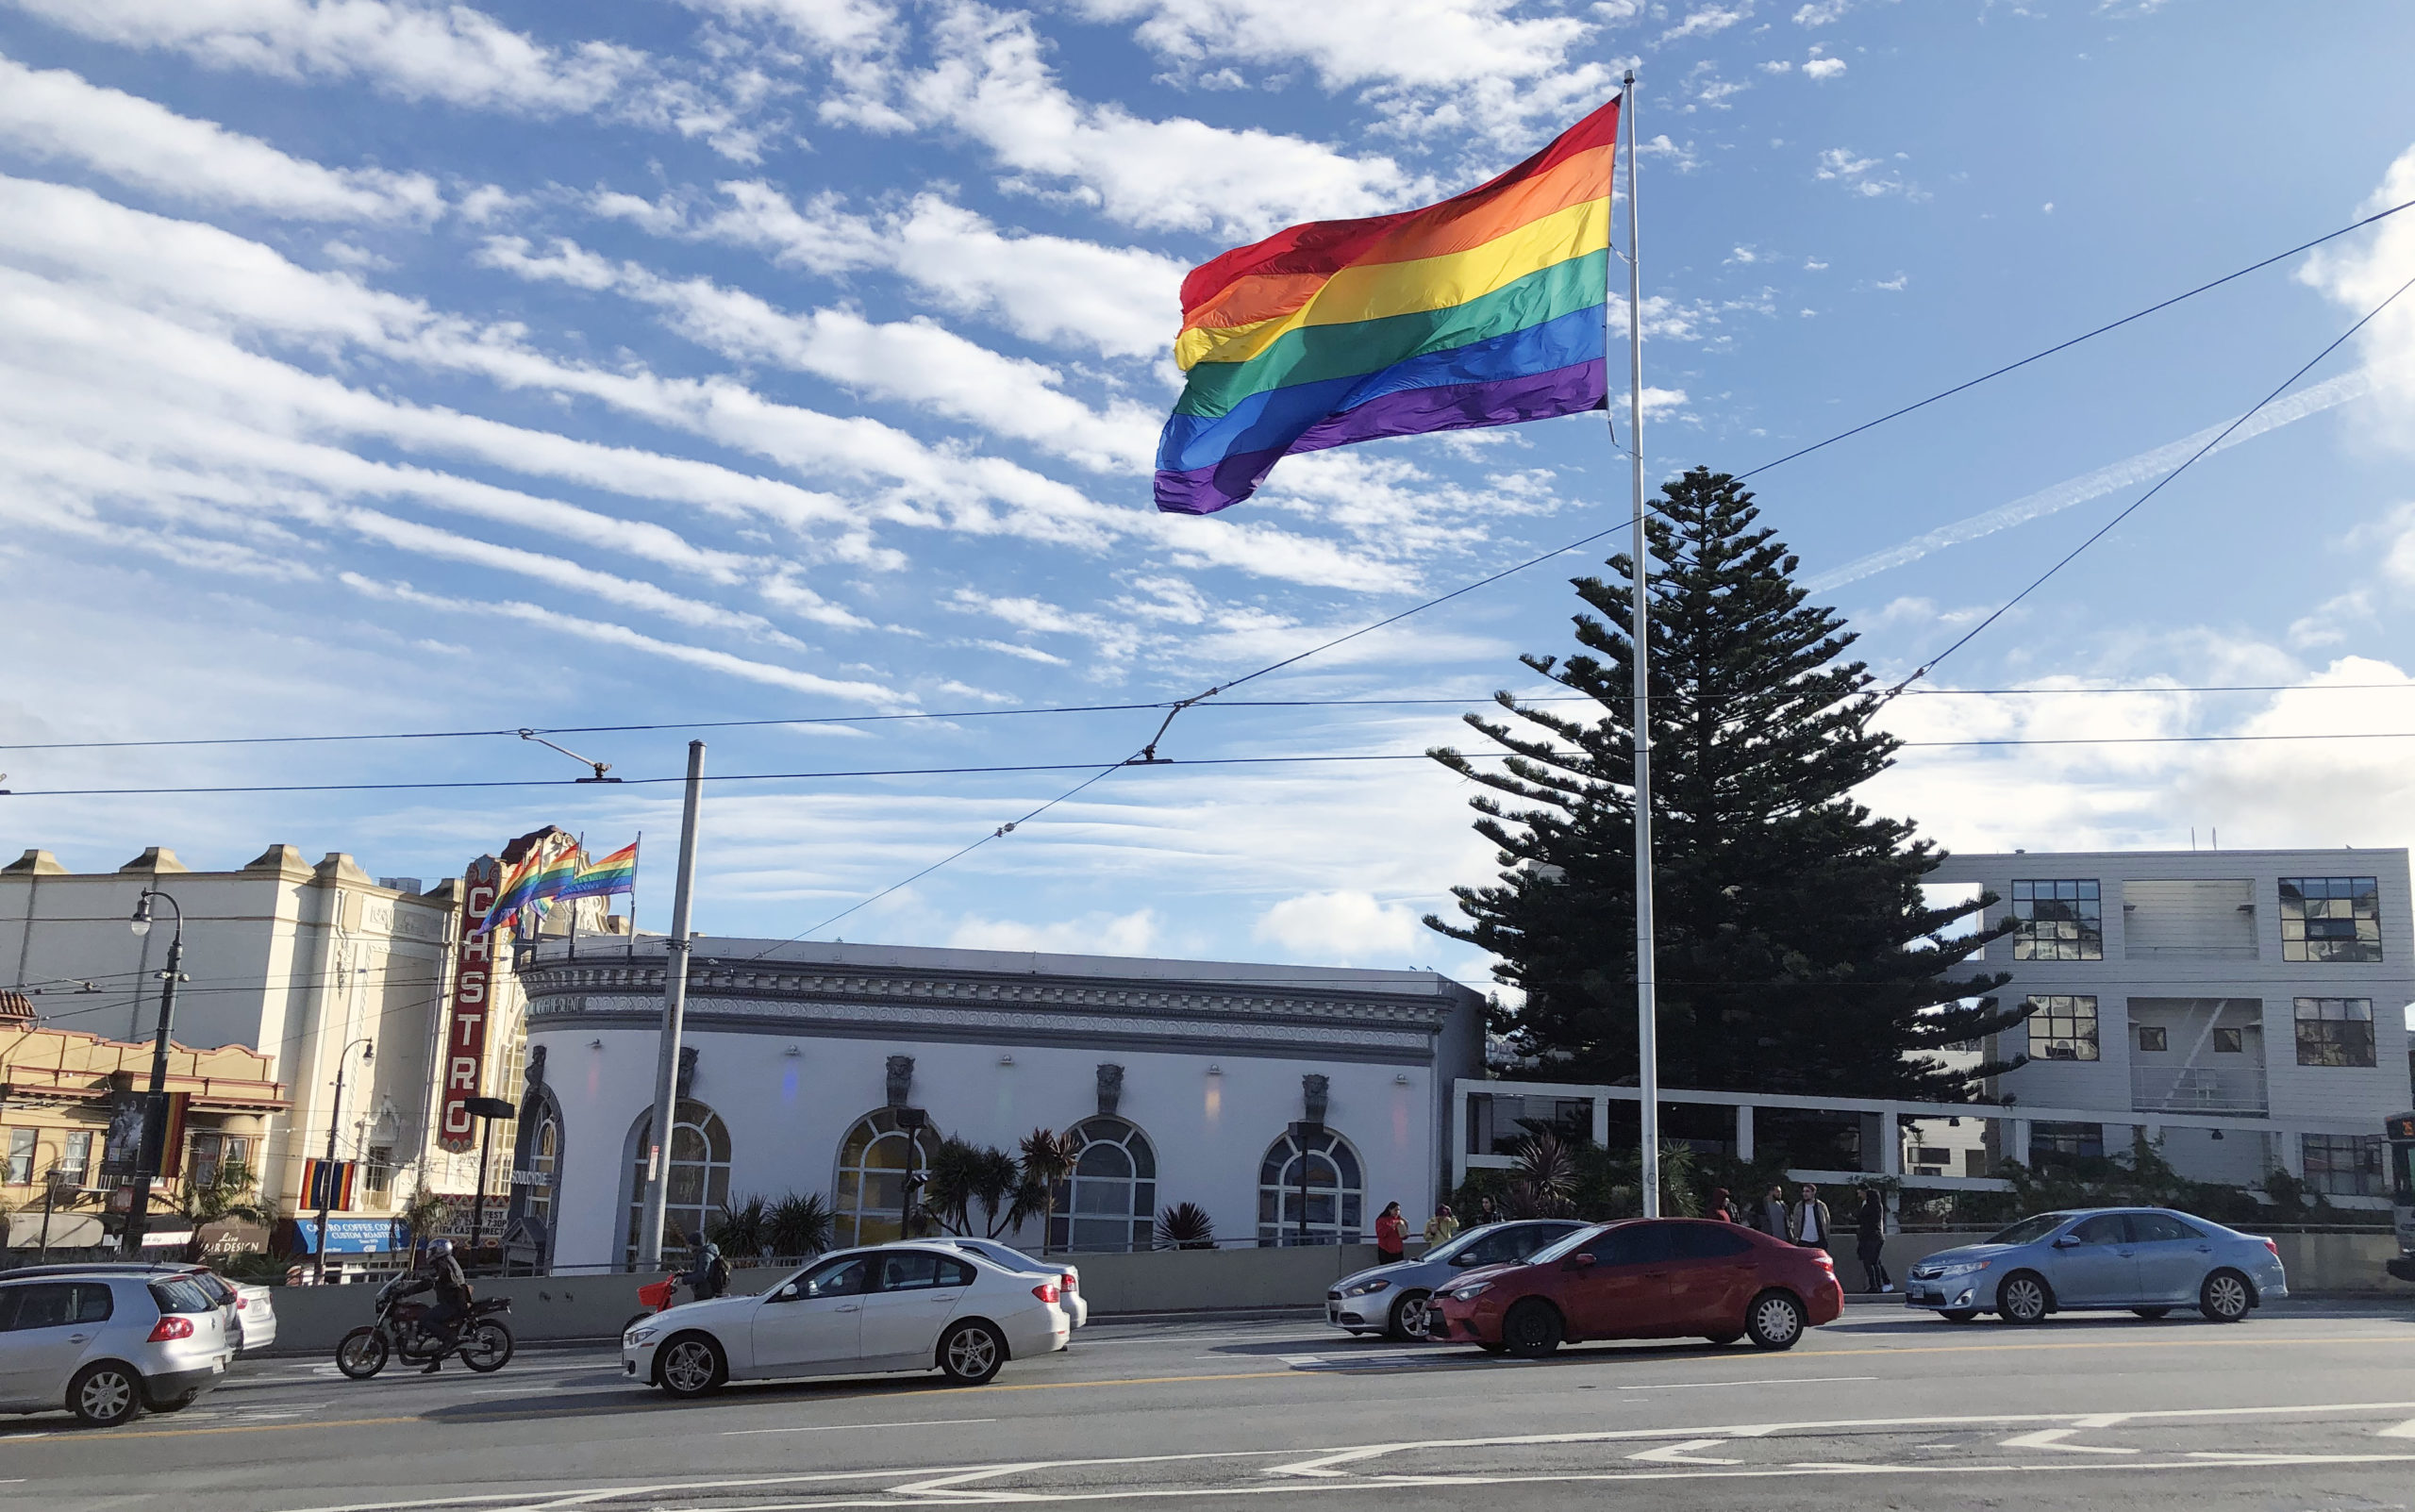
825, 1067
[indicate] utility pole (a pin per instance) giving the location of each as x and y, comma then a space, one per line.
675, 1009
326, 1181
155, 1106
1647, 1007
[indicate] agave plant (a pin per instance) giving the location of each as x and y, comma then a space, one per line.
1543, 1183
741, 1229
798, 1227
1186, 1226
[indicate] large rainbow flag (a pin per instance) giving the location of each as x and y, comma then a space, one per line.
615, 873
1486, 309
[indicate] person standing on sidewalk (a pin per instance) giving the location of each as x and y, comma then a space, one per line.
1719, 1207
1774, 1218
1810, 1226
1391, 1236
1869, 1231
1441, 1228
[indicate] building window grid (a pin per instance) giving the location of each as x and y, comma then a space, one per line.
2335, 1031
2344, 1165
75, 1158
2330, 919
2058, 920
2063, 1027
21, 1156
695, 1177
1108, 1202
2154, 1036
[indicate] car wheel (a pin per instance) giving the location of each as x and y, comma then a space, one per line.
1721, 1340
2151, 1313
1775, 1320
488, 1349
1959, 1315
1409, 1316
362, 1353
2023, 1298
1532, 1330
2225, 1298
971, 1354
106, 1395
691, 1366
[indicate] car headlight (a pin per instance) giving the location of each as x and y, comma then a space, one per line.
1965, 1267
1365, 1289
639, 1336
1470, 1294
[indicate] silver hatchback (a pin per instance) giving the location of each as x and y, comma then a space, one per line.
106, 1345
1392, 1299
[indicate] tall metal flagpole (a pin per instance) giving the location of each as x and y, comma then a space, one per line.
674, 1010
1647, 1027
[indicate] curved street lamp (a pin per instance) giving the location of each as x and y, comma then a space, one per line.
155, 1104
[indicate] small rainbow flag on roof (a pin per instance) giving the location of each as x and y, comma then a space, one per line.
615, 873
1486, 309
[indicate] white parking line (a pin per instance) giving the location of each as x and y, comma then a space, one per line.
834, 1427
1775, 1380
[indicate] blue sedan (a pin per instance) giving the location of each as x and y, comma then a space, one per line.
2149, 1260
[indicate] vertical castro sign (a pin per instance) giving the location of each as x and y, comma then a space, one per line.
465, 1020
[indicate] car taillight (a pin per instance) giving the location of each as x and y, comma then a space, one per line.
2274, 1248
1069, 1281
1046, 1291
240, 1303
171, 1327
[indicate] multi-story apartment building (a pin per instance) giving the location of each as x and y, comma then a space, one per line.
2260, 995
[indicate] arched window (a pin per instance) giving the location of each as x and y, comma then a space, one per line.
1110, 1201
698, 1175
544, 1152
1310, 1191
868, 1206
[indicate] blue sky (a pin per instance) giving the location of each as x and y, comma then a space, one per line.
385, 366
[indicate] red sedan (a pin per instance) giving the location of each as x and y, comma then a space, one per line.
1644, 1278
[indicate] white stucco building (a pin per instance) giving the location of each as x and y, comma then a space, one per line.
2247, 1008
810, 1065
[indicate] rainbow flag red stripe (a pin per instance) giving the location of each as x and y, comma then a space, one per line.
615, 873
1486, 309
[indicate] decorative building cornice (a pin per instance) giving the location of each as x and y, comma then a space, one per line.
558, 988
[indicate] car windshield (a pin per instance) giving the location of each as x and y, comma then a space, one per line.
1569, 1245
2030, 1230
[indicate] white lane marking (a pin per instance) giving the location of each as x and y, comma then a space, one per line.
1301, 1359
2405, 1430
2052, 1438
1792, 1380
834, 1427
1682, 1453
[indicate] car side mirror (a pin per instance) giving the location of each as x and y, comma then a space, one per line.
1464, 1257
2068, 1241
787, 1293
1580, 1262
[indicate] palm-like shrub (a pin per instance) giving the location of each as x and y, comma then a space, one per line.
1186, 1226
798, 1227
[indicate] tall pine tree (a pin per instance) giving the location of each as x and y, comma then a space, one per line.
1797, 953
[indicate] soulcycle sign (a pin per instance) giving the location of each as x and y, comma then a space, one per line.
465, 1019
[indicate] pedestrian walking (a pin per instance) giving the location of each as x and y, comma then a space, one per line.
1719, 1207
1869, 1241
1808, 1224
1441, 1228
1391, 1236
1774, 1220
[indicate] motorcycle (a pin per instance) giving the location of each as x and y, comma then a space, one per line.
484, 1343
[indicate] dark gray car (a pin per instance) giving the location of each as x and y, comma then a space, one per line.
1390, 1299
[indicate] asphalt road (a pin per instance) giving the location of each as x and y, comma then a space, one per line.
2305, 1406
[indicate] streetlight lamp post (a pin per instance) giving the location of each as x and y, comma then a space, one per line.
326, 1181
155, 1106
486, 1110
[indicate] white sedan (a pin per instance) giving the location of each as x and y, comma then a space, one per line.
859, 1312
1068, 1276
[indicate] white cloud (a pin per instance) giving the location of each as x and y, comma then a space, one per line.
1097, 934
1778, 65
1824, 68
1354, 43
56, 115
1821, 12
1705, 21
1118, 301
1843, 166
1345, 928
990, 83
917, 362
2358, 277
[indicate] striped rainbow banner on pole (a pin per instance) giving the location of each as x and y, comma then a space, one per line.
615, 873
1486, 309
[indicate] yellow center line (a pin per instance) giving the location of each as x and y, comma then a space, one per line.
2253, 1342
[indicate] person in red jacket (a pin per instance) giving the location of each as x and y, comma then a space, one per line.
1391, 1236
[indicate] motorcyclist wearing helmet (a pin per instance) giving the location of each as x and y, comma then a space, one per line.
440, 1271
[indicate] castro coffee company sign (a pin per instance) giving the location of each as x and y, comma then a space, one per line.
465, 1020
